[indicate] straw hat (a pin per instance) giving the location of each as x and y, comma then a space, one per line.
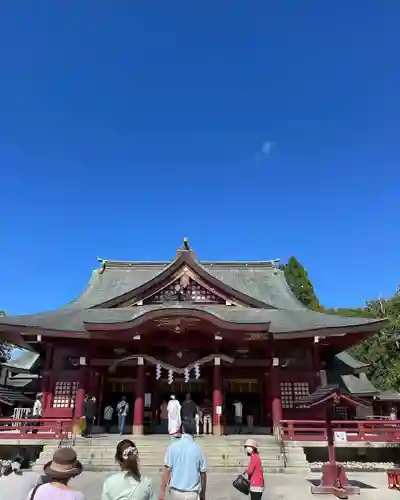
65, 465
252, 443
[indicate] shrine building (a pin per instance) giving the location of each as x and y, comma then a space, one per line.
223, 331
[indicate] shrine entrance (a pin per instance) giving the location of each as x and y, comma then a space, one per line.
248, 392
196, 388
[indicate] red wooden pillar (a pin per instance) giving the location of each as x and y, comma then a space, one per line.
275, 389
217, 397
318, 365
46, 394
266, 398
138, 410
81, 392
79, 401
46, 380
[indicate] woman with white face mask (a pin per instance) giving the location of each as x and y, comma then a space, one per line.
254, 470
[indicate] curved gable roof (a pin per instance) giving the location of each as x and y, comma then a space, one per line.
261, 281
258, 284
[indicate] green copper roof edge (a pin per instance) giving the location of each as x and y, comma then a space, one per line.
244, 263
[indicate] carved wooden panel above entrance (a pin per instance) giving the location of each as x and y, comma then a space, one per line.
256, 336
177, 325
184, 289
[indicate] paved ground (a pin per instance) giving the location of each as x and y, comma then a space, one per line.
278, 487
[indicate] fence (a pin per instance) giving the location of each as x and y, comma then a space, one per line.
351, 430
31, 428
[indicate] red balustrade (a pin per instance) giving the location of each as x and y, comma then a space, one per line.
356, 430
42, 428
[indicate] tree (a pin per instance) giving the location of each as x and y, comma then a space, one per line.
300, 284
382, 350
5, 349
362, 312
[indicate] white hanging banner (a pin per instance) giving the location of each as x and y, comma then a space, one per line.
147, 400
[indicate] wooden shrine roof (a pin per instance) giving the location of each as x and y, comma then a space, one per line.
261, 289
277, 322
12, 396
329, 393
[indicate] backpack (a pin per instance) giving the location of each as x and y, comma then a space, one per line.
121, 407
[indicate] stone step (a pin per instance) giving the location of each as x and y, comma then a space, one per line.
226, 465
144, 446
206, 449
150, 470
159, 458
208, 440
88, 454
84, 450
223, 454
163, 438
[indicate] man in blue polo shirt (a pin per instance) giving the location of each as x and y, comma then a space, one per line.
185, 468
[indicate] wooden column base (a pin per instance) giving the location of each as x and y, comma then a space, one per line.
217, 429
334, 482
137, 430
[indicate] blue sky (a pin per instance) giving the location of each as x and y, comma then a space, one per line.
259, 129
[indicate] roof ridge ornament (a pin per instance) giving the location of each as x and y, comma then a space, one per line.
185, 247
102, 264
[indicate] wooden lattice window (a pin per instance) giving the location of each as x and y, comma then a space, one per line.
200, 294
293, 391
343, 411
162, 295
65, 394
193, 292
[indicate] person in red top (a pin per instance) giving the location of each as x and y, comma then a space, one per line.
254, 470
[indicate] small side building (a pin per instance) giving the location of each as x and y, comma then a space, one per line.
19, 382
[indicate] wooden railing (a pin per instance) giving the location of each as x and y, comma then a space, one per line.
30, 428
356, 430
278, 435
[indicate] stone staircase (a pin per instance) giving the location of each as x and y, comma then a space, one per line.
223, 454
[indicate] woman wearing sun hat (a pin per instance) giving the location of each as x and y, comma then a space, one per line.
59, 472
254, 470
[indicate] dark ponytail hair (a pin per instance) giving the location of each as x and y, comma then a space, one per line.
128, 457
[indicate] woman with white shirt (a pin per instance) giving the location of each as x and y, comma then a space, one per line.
17, 481
127, 484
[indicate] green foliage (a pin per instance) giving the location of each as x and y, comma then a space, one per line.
301, 286
362, 312
380, 351
394, 377
5, 349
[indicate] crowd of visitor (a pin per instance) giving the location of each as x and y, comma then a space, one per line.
184, 475
171, 415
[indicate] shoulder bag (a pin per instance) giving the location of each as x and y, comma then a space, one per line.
35, 490
241, 484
